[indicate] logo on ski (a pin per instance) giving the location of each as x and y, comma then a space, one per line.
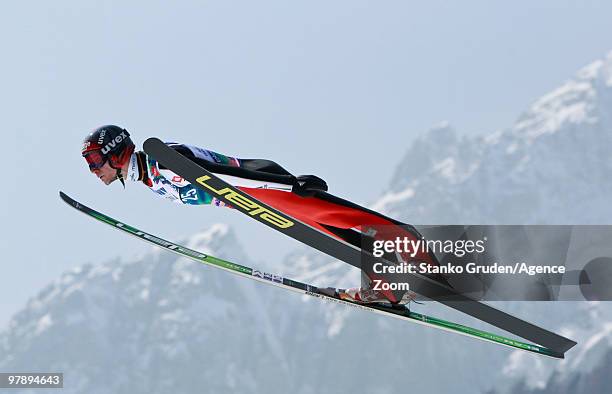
267, 276
249, 206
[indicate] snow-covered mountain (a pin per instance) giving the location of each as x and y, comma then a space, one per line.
161, 324
553, 166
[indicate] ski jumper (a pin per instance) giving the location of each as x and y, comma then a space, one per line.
303, 198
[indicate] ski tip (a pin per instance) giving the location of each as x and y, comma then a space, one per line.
151, 141
66, 198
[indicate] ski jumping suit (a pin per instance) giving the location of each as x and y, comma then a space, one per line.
302, 197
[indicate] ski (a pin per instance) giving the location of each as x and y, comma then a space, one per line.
303, 288
346, 252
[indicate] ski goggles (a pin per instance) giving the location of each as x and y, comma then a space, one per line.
95, 159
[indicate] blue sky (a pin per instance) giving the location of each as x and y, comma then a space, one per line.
337, 89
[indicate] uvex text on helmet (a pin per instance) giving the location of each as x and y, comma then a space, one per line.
112, 144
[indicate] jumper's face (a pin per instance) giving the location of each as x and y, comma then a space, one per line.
106, 173
99, 165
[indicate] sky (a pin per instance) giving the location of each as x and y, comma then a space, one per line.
333, 88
